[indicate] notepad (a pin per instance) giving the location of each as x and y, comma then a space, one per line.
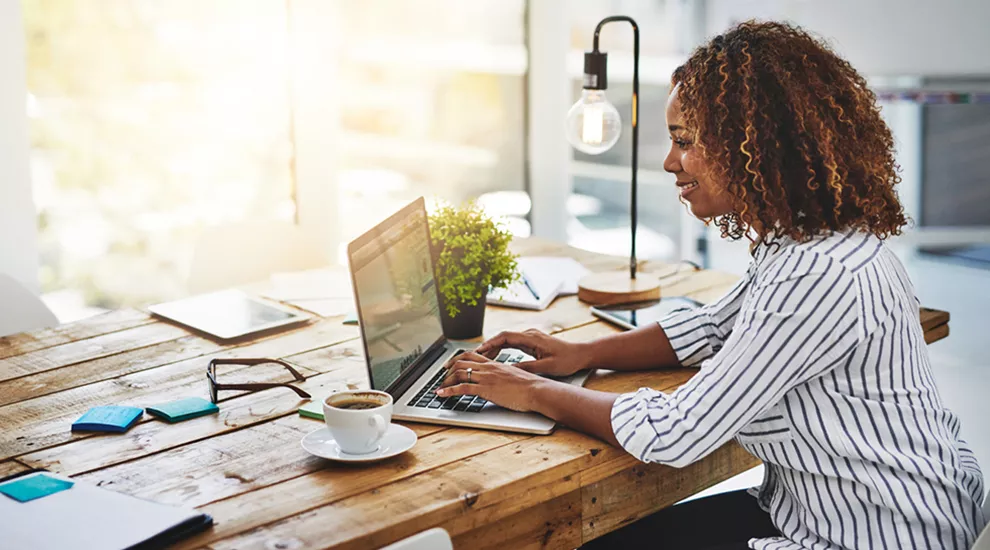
110, 418
29, 488
183, 409
87, 517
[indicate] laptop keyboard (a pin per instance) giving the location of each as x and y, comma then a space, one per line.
427, 397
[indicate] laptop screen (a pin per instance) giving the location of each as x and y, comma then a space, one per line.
396, 295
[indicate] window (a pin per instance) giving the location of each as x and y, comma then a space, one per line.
433, 103
152, 120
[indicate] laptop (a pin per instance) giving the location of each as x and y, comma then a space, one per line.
398, 308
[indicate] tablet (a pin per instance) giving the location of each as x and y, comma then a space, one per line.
640, 314
228, 314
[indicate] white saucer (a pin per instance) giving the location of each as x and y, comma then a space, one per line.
398, 439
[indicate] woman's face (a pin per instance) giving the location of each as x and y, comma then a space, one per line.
685, 161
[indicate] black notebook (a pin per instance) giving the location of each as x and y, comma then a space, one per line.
87, 517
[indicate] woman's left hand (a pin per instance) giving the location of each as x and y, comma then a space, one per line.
503, 384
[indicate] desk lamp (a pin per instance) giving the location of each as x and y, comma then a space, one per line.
593, 127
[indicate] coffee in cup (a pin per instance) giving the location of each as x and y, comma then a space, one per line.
357, 405
358, 419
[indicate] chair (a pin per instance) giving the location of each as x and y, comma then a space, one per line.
20, 310
242, 253
431, 539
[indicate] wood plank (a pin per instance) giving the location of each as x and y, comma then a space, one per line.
11, 467
222, 466
44, 422
88, 349
460, 496
937, 333
105, 368
336, 482
24, 342
635, 492
931, 318
151, 437
555, 523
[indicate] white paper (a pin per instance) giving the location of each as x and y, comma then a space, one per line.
84, 517
569, 269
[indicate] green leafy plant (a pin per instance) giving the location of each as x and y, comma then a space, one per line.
472, 255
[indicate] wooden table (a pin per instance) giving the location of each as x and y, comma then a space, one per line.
245, 465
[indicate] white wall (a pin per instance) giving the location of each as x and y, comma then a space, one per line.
18, 226
882, 37
549, 90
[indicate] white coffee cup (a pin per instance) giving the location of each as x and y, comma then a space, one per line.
358, 419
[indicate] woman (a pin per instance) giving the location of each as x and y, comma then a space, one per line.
815, 361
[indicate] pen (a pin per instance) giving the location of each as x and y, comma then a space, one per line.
530, 287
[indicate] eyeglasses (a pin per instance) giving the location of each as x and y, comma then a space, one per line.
211, 377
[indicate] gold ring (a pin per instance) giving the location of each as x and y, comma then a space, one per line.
469, 375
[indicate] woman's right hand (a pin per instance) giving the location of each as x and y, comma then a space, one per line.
554, 356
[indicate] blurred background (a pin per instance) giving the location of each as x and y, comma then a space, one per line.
150, 121
132, 129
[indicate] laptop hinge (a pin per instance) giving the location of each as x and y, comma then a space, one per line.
409, 377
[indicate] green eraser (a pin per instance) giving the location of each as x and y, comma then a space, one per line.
183, 409
313, 409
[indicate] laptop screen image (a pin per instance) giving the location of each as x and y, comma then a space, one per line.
396, 294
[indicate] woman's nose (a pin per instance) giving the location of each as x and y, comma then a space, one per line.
672, 163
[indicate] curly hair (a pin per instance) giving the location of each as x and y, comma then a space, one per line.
794, 133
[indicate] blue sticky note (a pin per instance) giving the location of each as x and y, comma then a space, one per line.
183, 409
111, 418
28, 488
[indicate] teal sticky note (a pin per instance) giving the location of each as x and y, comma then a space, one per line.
183, 409
351, 318
28, 488
111, 418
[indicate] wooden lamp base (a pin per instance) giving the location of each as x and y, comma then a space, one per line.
616, 287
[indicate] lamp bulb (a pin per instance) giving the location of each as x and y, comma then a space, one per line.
593, 123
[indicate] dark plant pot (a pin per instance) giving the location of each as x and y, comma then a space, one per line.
469, 323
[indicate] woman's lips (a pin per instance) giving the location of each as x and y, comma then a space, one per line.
686, 188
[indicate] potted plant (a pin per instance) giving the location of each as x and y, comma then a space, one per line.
471, 255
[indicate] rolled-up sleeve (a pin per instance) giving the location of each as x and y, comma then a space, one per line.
792, 328
698, 334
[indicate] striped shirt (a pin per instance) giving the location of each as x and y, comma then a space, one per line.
815, 362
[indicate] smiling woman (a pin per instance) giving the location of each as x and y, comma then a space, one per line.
790, 133
814, 362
